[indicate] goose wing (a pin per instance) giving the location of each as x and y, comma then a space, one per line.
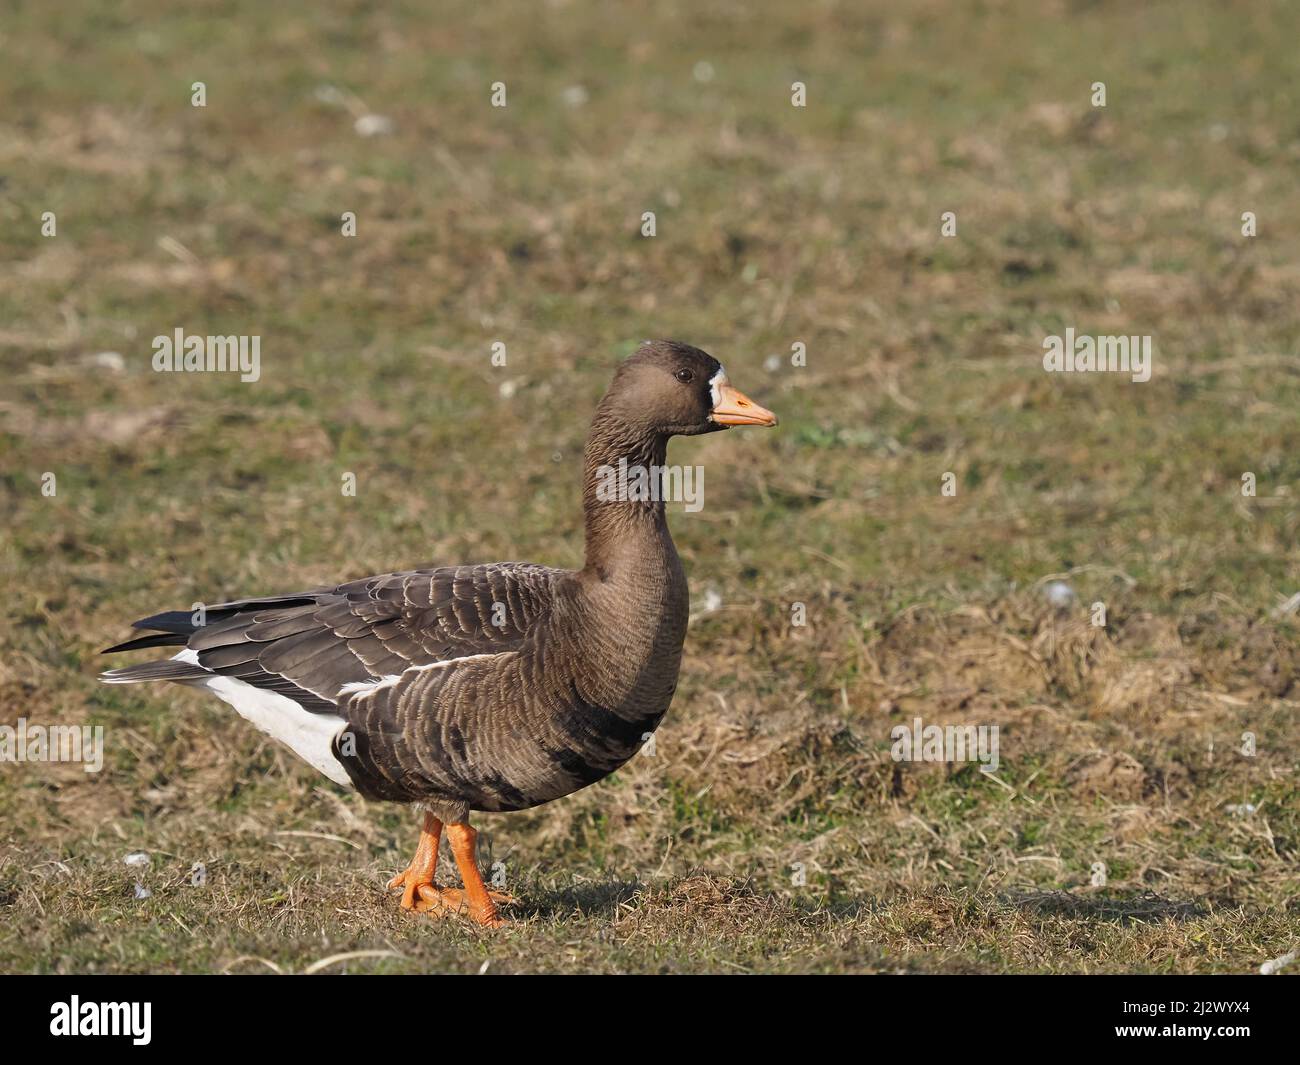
311, 645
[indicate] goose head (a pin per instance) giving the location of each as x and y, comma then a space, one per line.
672, 389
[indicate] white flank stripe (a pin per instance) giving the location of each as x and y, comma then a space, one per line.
355, 687
369, 687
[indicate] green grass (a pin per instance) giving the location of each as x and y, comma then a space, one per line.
776, 225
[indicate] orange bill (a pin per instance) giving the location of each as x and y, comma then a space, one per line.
735, 408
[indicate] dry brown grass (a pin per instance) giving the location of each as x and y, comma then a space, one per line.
1119, 745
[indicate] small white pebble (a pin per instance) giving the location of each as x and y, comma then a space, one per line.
712, 601
772, 363
108, 360
142, 892
1059, 594
574, 96
198, 875
703, 71
507, 389
1240, 809
137, 858
374, 125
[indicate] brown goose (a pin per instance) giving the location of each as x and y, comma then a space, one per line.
494, 687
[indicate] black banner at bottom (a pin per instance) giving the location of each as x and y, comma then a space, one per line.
146, 1014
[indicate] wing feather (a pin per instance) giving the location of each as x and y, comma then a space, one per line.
308, 645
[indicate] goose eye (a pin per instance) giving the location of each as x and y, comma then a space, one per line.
684, 376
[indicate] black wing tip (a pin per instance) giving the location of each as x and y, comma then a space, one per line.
174, 621
170, 628
157, 639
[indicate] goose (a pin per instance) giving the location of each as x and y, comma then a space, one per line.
488, 688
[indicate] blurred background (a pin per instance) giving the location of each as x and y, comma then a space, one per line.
770, 829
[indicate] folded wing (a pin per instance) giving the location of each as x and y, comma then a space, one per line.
279, 659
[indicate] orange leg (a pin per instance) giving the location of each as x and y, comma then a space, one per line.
475, 899
421, 893
420, 873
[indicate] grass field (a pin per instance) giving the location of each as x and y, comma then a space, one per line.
770, 830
